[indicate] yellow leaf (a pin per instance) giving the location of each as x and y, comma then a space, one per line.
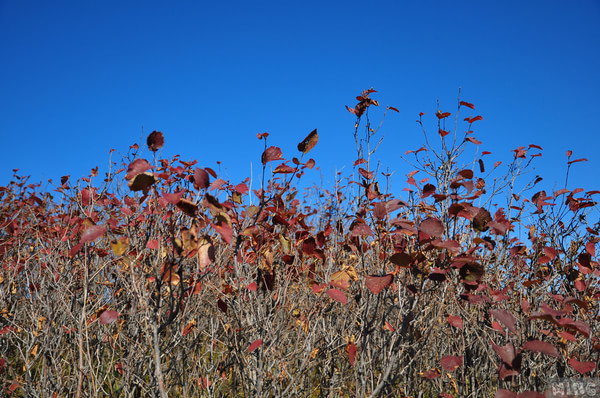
351, 272
120, 245
286, 245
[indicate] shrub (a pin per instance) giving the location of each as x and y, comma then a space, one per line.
164, 279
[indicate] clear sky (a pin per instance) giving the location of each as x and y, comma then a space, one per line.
78, 78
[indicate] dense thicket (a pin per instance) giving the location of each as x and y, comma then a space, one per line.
163, 279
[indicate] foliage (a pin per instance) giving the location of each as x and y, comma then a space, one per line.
164, 279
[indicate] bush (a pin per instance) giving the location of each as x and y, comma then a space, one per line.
163, 279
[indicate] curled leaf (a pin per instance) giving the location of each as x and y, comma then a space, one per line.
155, 141
309, 142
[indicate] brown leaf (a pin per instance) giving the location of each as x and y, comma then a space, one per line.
155, 141
351, 351
141, 182
309, 142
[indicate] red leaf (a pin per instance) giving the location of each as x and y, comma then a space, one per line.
473, 140
155, 141
474, 119
582, 367
251, 286
505, 317
257, 343
443, 133
578, 160
309, 142
567, 336
222, 305
467, 104
507, 352
394, 109
541, 346
367, 174
432, 226
361, 229
284, 169
450, 362
351, 350
108, 317
92, 233
260, 136
200, 179
173, 198
377, 283
502, 393
569, 153
455, 321
337, 295
224, 230
590, 248
136, 167
152, 244
318, 288
443, 115
270, 154
580, 285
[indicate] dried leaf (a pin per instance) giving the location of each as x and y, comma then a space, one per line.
309, 142
155, 141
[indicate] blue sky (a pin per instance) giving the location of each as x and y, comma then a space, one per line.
79, 78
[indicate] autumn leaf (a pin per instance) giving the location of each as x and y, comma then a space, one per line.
541, 346
505, 317
376, 284
155, 141
309, 142
582, 367
255, 344
108, 316
455, 321
337, 295
270, 154
201, 179
351, 351
92, 233
450, 362
432, 226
